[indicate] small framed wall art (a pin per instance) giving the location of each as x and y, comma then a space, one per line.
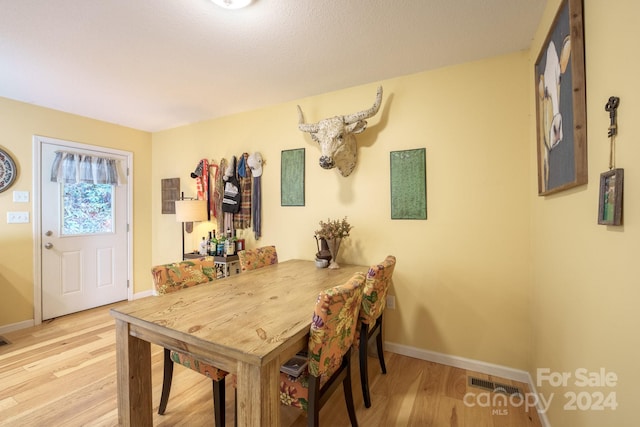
409, 184
610, 206
170, 188
292, 177
8, 171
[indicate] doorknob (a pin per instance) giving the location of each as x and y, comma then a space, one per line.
48, 233
48, 245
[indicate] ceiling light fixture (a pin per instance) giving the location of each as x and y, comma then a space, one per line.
232, 4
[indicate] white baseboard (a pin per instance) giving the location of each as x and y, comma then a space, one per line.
17, 326
143, 294
460, 362
471, 365
541, 414
5, 329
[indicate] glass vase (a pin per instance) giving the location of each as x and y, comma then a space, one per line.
334, 247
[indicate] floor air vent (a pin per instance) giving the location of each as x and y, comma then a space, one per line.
4, 341
494, 387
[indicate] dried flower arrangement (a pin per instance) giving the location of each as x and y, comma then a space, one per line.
333, 229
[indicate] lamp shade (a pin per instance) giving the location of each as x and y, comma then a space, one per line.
191, 210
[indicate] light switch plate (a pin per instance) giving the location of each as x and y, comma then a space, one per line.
391, 302
17, 217
21, 196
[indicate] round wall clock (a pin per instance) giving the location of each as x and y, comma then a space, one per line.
8, 170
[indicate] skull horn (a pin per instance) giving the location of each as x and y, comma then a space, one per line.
365, 114
303, 126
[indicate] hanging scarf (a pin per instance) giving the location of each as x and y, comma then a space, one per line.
201, 174
218, 193
255, 163
242, 219
256, 197
202, 179
213, 189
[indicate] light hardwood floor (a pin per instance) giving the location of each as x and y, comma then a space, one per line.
63, 373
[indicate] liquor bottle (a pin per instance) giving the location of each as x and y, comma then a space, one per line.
235, 241
203, 247
221, 245
213, 244
229, 244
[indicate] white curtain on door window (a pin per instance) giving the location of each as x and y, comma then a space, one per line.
74, 168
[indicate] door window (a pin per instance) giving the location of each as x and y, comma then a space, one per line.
87, 209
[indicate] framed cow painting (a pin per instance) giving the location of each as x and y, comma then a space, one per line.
561, 103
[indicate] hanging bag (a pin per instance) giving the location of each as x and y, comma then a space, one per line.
232, 195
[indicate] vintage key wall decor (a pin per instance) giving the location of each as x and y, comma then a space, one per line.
611, 182
612, 107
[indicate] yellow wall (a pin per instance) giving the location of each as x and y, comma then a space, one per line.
462, 277
496, 273
585, 276
19, 122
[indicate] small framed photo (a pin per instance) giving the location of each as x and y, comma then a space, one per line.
610, 206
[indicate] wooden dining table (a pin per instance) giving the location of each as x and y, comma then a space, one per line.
247, 324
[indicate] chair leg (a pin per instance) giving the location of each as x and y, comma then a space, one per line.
379, 345
364, 365
348, 394
235, 407
313, 408
166, 381
218, 402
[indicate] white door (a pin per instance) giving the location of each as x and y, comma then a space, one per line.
84, 239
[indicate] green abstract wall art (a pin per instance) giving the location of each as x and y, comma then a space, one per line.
409, 184
292, 177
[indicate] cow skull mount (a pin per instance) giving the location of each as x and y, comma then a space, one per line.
335, 135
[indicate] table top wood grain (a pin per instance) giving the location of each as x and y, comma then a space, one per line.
251, 317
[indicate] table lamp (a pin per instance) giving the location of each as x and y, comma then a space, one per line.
189, 211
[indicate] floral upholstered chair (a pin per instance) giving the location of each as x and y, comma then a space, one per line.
174, 277
329, 353
373, 303
179, 275
250, 259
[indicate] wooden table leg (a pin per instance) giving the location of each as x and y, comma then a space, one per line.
134, 378
258, 394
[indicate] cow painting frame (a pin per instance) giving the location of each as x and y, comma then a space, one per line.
561, 124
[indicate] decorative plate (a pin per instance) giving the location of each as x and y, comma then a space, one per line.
8, 171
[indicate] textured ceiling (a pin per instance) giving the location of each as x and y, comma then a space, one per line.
158, 64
